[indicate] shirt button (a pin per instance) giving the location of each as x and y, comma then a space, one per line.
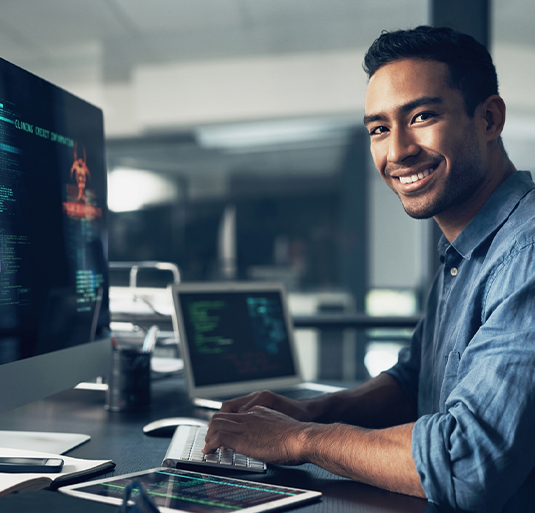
453, 271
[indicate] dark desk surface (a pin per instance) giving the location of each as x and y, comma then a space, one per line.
119, 436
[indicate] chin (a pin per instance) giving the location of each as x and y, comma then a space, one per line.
426, 211
417, 214
429, 203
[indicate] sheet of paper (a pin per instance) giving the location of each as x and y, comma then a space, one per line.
57, 443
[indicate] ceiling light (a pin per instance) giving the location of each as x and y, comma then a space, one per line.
134, 189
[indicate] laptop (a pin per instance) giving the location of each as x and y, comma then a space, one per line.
237, 338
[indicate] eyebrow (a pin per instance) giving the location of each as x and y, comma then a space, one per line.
407, 107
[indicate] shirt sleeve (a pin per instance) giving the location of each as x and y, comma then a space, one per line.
481, 450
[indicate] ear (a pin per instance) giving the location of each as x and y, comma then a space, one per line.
493, 117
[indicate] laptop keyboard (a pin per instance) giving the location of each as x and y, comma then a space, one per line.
186, 449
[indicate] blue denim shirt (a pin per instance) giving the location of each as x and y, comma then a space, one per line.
470, 368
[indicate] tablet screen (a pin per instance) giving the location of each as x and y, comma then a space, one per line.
180, 490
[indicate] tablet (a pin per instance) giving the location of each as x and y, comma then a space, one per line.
175, 490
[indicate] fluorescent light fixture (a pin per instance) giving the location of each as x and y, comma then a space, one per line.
391, 302
242, 135
134, 189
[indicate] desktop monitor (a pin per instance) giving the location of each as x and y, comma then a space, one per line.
54, 313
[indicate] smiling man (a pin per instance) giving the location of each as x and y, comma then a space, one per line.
442, 161
454, 419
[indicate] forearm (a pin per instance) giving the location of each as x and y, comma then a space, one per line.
380, 457
378, 403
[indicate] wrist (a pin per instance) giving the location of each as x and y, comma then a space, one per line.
322, 408
309, 441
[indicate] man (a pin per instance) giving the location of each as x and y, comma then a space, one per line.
454, 419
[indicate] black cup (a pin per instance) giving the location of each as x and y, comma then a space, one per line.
129, 381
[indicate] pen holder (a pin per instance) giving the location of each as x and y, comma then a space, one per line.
129, 380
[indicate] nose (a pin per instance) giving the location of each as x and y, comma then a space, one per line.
401, 145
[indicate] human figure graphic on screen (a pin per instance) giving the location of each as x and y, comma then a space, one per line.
81, 173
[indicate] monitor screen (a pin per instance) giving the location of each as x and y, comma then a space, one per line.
236, 336
53, 239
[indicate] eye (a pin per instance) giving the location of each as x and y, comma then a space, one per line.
423, 116
378, 130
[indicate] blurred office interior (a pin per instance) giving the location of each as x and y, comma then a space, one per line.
236, 148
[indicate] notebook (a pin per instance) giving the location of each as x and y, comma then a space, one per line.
237, 338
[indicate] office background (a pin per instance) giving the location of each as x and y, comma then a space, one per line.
235, 142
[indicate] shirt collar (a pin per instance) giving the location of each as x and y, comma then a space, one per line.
492, 215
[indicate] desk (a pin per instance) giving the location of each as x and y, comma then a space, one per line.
119, 436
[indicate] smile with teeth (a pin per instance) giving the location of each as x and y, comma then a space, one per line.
416, 177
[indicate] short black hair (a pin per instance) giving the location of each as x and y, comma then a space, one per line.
471, 70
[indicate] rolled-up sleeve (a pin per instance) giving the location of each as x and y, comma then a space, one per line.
478, 451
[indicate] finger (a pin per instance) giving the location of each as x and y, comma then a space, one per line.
224, 425
223, 439
231, 422
234, 405
217, 439
247, 406
222, 416
264, 398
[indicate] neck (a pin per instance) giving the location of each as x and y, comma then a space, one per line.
453, 221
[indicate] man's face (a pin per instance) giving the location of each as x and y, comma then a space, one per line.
427, 149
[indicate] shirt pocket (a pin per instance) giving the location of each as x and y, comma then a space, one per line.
450, 378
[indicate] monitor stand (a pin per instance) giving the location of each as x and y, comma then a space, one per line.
53, 443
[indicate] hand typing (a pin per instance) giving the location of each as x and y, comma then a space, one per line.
259, 432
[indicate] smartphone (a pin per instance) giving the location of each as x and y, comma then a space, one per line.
35, 465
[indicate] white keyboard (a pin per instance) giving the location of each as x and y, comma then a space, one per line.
186, 449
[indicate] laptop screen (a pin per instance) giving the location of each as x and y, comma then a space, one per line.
235, 336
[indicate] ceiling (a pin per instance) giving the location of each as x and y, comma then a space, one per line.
40, 34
